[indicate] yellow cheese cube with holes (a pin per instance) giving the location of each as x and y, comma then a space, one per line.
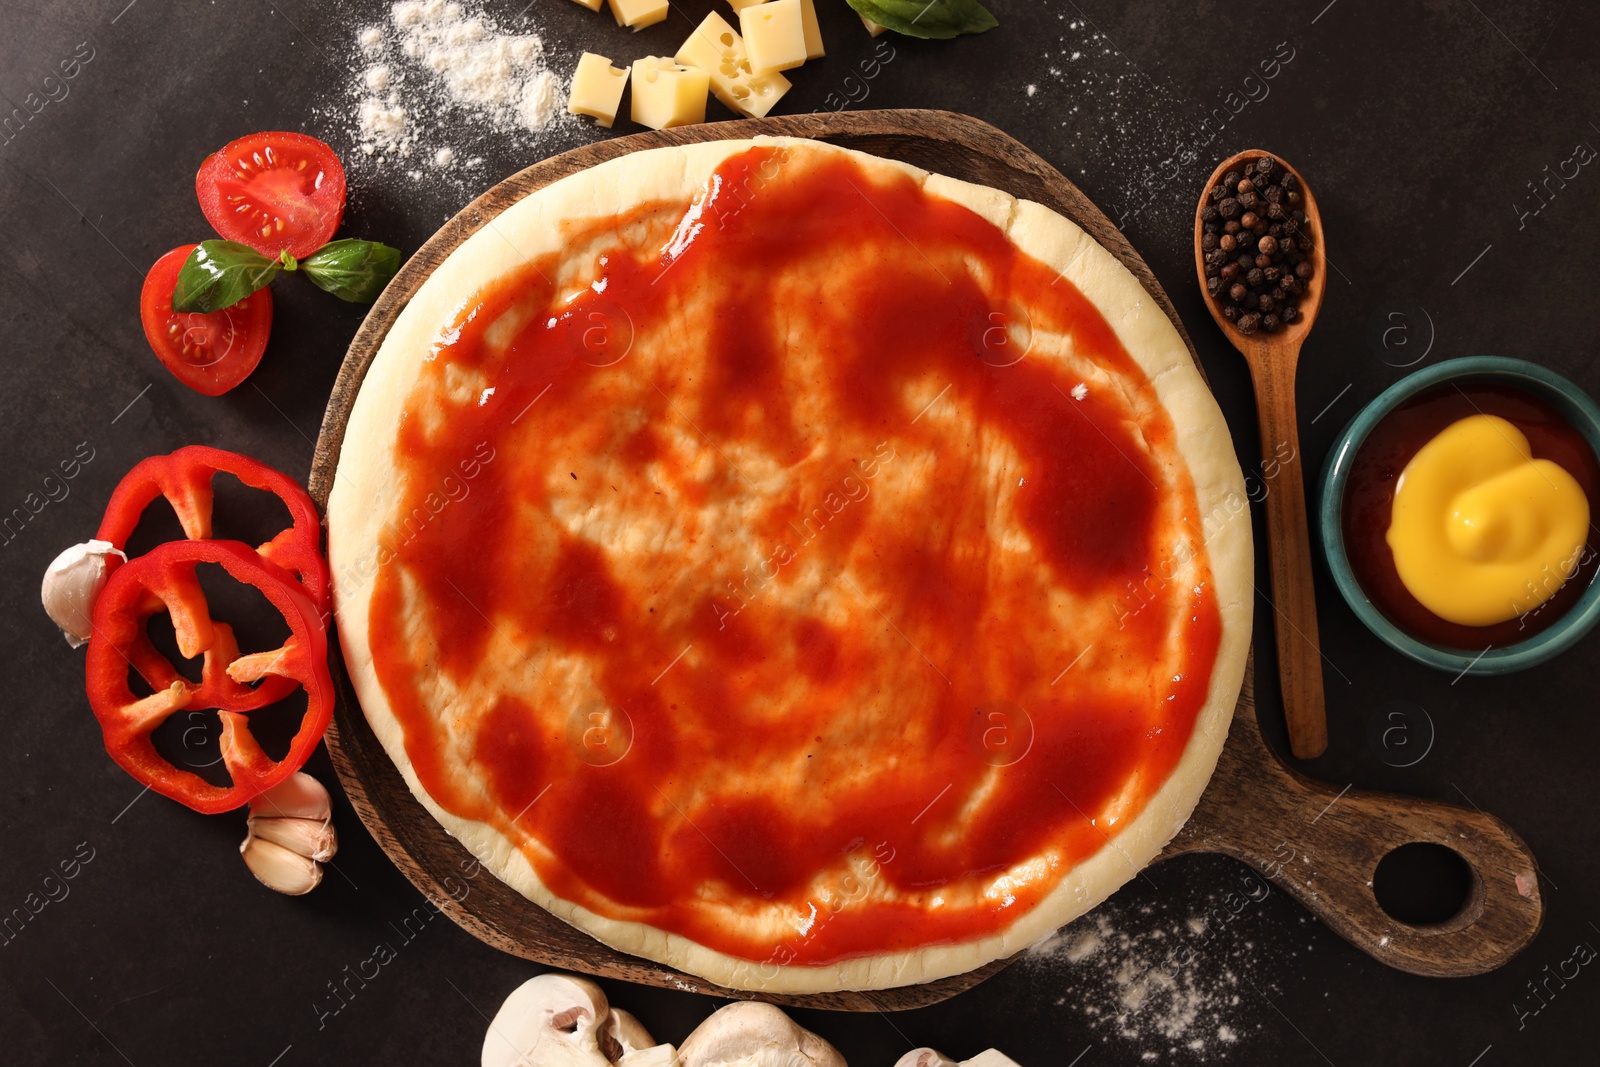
808, 23
638, 13
592, 5
873, 28
597, 89
668, 94
813, 31
715, 48
774, 35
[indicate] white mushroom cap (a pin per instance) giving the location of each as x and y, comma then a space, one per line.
752, 1034
622, 1034
553, 1020
925, 1057
656, 1056
990, 1058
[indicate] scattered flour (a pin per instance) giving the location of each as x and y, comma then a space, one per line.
1174, 991
438, 74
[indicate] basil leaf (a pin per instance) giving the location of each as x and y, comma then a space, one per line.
938, 19
219, 274
352, 270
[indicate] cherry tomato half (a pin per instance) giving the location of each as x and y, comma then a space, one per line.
210, 353
275, 192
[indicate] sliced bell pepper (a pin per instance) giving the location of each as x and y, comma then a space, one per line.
163, 579
184, 477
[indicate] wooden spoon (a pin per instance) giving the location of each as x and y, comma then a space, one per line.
1272, 358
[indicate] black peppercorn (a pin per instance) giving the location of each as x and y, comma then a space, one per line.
1273, 194
1230, 270
1213, 285
1231, 178
1246, 261
1291, 313
1250, 201
1209, 241
1237, 292
1210, 214
1227, 242
1254, 278
1249, 323
1248, 220
1244, 185
1229, 208
1269, 322
1272, 274
1266, 303
1267, 245
1303, 269
1293, 197
1290, 182
1245, 239
1276, 211
1230, 312
1287, 245
1263, 261
1266, 165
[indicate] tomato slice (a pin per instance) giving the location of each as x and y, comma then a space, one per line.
275, 192
210, 353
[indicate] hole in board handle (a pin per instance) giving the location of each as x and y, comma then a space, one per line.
1428, 886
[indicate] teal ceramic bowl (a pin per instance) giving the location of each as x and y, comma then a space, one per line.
1574, 405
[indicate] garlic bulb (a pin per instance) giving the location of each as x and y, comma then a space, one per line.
290, 835
71, 583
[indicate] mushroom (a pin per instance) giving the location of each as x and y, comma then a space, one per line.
752, 1034
71, 583
927, 1057
561, 1020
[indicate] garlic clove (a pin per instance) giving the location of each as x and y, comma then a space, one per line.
277, 868
71, 583
304, 837
299, 796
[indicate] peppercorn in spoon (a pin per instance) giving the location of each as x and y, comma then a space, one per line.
1259, 254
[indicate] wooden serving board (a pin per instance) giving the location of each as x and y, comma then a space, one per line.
1320, 844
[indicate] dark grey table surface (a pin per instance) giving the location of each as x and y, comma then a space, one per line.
1422, 124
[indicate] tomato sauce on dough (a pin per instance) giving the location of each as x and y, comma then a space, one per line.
785, 571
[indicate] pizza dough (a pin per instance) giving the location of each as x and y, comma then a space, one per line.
838, 546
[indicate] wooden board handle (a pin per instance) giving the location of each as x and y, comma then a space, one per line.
1294, 619
1322, 845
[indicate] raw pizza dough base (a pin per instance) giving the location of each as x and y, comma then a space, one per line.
364, 495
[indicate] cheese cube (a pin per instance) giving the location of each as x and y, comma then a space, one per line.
638, 13
715, 48
667, 94
774, 35
740, 5
873, 28
597, 89
813, 31
592, 5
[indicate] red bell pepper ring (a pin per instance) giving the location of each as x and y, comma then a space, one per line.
163, 579
184, 477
